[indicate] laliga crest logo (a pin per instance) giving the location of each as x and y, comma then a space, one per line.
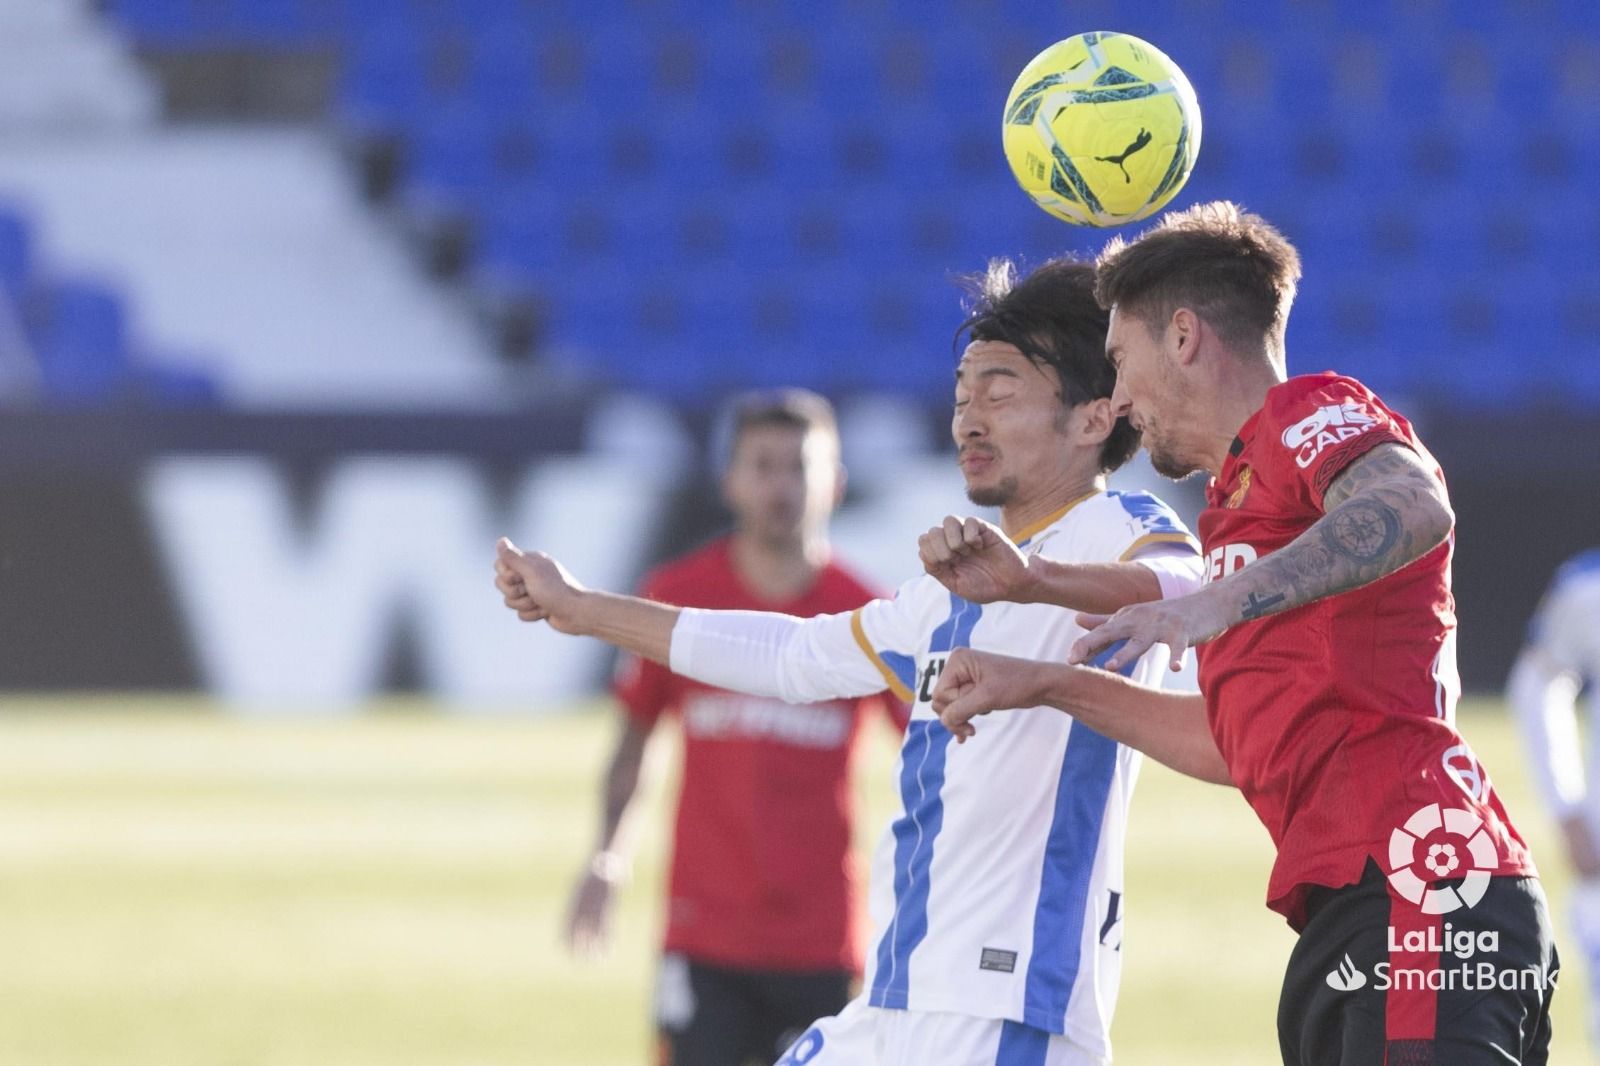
1470, 856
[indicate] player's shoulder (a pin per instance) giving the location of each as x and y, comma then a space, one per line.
916, 600
1139, 506
1306, 394
1316, 414
1120, 523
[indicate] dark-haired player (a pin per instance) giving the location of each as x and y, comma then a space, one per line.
1327, 665
997, 892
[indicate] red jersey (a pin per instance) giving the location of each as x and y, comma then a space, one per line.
762, 873
1337, 718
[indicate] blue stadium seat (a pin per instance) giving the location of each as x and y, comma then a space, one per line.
520, 239
802, 143
277, 23
383, 85
175, 24
502, 71
569, 144
828, 161
451, 159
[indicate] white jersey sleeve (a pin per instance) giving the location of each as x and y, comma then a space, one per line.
801, 660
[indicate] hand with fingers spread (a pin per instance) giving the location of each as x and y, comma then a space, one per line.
537, 587
1180, 624
975, 560
977, 682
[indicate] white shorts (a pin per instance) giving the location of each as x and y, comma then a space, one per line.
863, 1035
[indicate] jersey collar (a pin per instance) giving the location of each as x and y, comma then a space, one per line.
1027, 533
1243, 440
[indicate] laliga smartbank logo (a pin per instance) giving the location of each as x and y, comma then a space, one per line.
1444, 842
1441, 844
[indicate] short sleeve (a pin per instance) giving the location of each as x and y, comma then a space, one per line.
1326, 428
643, 688
889, 632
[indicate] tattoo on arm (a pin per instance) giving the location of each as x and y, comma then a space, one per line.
1385, 510
1255, 605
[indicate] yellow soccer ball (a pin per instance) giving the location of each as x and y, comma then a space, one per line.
1101, 129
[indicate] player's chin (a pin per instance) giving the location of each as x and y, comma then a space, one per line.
990, 490
1168, 464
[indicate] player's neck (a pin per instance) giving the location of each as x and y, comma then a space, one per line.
1242, 388
779, 571
1022, 518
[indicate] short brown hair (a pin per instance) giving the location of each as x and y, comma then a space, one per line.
1230, 267
789, 408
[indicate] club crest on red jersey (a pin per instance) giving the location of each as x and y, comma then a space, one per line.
1236, 497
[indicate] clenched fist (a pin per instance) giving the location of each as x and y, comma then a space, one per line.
974, 560
977, 682
537, 587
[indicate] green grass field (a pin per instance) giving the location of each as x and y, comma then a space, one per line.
178, 887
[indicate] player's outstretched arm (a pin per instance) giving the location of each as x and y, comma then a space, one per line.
1170, 727
761, 653
1383, 511
540, 589
976, 561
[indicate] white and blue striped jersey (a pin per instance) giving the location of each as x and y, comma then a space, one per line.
997, 891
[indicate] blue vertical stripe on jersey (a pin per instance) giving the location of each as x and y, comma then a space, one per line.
1022, 1045
1084, 788
921, 780
921, 784
956, 630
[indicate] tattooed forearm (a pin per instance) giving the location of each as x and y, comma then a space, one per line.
1256, 606
1384, 511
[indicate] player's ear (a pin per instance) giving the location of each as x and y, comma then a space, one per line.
1096, 420
1183, 336
841, 480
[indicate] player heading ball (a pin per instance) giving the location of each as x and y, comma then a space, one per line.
1326, 640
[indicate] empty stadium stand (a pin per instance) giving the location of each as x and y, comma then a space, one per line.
691, 196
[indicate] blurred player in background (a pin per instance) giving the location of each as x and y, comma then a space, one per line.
1327, 663
997, 892
762, 908
1560, 659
